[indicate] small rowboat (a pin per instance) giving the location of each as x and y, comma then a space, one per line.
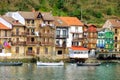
50, 64
88, 64
11, 63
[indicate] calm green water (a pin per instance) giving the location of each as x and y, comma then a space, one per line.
107, 71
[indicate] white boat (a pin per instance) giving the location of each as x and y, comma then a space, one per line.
88, 64
50, 63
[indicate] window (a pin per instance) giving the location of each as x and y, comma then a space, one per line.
17, 39
76, 29
32, 31
46, 50
115, 45
115, 31
58, 32
38, 50
29, 49
74, 52
32, 21
64, 33
0, 50
32, 39
116, 39
17, 49
57, 42
59, 52
5, 33
28, 21
17, 31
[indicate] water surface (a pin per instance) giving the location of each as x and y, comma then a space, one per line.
107, 71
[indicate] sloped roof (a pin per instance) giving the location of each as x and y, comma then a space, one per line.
92, 28
2, 26
79, 48
47, 16
12, 21
115, 22
59, 22
28, 15
72, 21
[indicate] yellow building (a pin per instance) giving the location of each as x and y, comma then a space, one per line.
114, 25
33, 33
5, 47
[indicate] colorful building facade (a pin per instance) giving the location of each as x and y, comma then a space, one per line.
105, 42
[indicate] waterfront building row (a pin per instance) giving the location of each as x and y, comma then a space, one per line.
40, 33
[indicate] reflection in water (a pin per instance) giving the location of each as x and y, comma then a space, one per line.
67, 72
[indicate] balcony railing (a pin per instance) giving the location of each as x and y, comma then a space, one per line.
43, 25
47, 43
18, 33
32, 43
61, 46
30, 33
92, 36
76, 32
30, 53
77, 39
61, 36
3, 36
47, 35
19, 43
30, 25
118, 41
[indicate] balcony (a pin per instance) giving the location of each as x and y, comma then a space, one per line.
32, 43
60, 46
47, 43
61, 36
49, 35
31, 34
92, 42
30, 25
18, 33
76, 32
30, 53
117, 41
5, 36
22, 43
77, 39
43, 25
92, 36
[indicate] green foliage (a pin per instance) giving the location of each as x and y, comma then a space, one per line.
98, 14
109, 11
91, 11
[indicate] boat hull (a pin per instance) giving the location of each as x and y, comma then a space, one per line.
50, 64
11, 63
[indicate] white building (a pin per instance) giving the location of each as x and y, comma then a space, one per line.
78, 53
69, 32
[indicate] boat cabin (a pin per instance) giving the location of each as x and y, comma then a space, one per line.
78, 53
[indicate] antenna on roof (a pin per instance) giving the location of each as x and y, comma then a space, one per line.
81, 13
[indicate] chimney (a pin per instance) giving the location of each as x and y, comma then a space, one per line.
33, 10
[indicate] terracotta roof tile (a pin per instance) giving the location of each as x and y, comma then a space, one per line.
115, 22
2, 26
59, 22
78, 48
72, 21
92, 28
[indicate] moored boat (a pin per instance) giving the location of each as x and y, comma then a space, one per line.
11, 63
88, 64
50, 63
